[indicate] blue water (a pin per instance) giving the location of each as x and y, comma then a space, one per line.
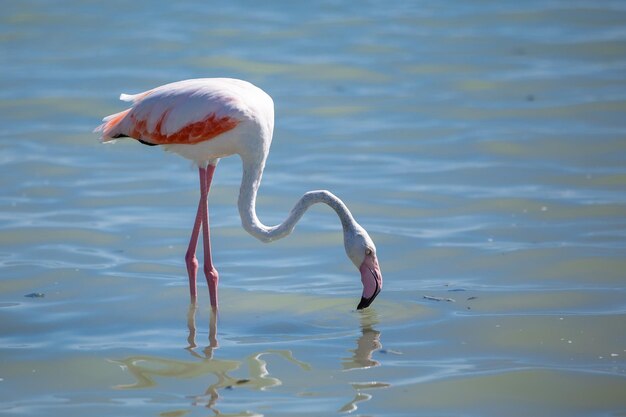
482, 145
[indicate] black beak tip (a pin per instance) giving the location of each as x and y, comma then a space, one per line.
364, 303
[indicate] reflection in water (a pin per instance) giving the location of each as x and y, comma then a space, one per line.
351, 406
146, 368
191, 338
366, 345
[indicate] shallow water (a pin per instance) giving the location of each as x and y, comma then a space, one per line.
482, 146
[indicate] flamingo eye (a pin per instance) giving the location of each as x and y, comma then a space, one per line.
368, 252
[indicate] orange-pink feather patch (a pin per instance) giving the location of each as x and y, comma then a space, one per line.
205, 129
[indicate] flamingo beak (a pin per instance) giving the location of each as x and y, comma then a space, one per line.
372, 280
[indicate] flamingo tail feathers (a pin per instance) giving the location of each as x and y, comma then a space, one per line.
109, 125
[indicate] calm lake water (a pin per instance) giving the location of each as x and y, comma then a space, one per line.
482, 145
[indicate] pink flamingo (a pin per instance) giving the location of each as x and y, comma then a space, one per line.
207, 119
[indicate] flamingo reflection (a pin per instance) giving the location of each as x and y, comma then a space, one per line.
366, 345
191, 327
146, 368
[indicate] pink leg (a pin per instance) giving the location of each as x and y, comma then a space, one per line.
210, 272
190, 256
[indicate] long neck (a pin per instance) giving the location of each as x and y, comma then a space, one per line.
252, 173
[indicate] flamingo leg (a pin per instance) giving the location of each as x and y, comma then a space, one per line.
190, 256
210, 272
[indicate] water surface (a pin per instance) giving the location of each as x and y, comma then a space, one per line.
483, 146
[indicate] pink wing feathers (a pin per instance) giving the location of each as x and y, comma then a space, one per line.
185, 112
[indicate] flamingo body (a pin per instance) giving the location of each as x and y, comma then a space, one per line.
210, 118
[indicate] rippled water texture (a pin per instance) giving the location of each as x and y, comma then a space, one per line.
482, 144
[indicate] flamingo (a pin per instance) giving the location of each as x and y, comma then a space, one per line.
210, 118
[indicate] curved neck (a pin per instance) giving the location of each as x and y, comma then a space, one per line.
251, 179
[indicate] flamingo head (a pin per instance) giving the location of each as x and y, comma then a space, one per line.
361, 250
